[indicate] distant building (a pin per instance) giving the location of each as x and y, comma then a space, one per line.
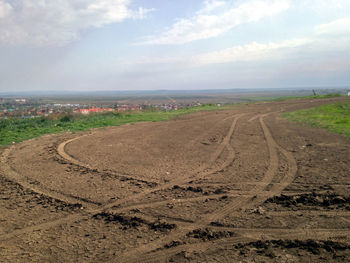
129, 107
348, 93
88, 111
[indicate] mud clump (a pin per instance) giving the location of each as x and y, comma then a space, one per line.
199, 190
208, 235
173, 243
133, 222
219, 191
328, 200
17, 194
161, 226
123, 220
190, 188
268, 247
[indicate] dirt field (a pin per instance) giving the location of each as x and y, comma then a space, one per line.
232, 186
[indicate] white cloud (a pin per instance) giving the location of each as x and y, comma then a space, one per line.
216, 18
321, 43
5, 9
319, 5
211, 5
331, 37
56, 23
251, 52
336, 28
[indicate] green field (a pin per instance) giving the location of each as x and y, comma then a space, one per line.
283, 98
17, 130
334, 117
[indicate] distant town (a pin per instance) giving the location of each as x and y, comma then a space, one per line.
31, 108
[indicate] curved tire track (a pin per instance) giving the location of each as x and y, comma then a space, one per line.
23, 181
241, 202
19, 179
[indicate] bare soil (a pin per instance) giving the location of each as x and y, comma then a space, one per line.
243, 185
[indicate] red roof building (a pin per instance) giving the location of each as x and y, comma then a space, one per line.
87, 111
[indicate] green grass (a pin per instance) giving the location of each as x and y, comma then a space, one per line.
17, 130
334, 117
324, 96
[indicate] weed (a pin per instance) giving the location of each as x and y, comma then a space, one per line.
17, 130
334, 117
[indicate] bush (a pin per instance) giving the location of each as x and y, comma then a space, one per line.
66, 118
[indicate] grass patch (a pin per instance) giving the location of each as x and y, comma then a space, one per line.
334, 117
18, 130
324, 96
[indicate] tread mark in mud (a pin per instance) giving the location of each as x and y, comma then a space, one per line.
68, 199
241, 202
16, 177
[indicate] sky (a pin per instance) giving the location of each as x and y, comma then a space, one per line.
91, 45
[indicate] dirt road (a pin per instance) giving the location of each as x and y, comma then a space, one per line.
243, 185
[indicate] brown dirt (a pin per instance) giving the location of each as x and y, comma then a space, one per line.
232, 186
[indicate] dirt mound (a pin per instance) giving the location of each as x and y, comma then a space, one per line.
198, 189
268, 247
9, 188
133, 221
208, 234
328, 200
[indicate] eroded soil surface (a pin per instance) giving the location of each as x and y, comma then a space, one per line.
243, 185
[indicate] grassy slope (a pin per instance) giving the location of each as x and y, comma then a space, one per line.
17, 130
334, 117
324, 96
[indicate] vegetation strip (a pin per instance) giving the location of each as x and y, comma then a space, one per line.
334, 117
15, 130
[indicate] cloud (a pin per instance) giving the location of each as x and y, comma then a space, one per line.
210, 6
318, 5
56, 23
216, 18
336, 28
251, 52
322, 43
5, 9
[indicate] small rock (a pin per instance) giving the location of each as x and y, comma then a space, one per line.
259, 210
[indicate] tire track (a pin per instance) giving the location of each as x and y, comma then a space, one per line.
70, 159
162, 256
185, 228
7, 170
183, 200
299, 233
273, 147
246, 235
94, 210
243, 202
184, 179
329, 213
135, 254
43, 226
255, 196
